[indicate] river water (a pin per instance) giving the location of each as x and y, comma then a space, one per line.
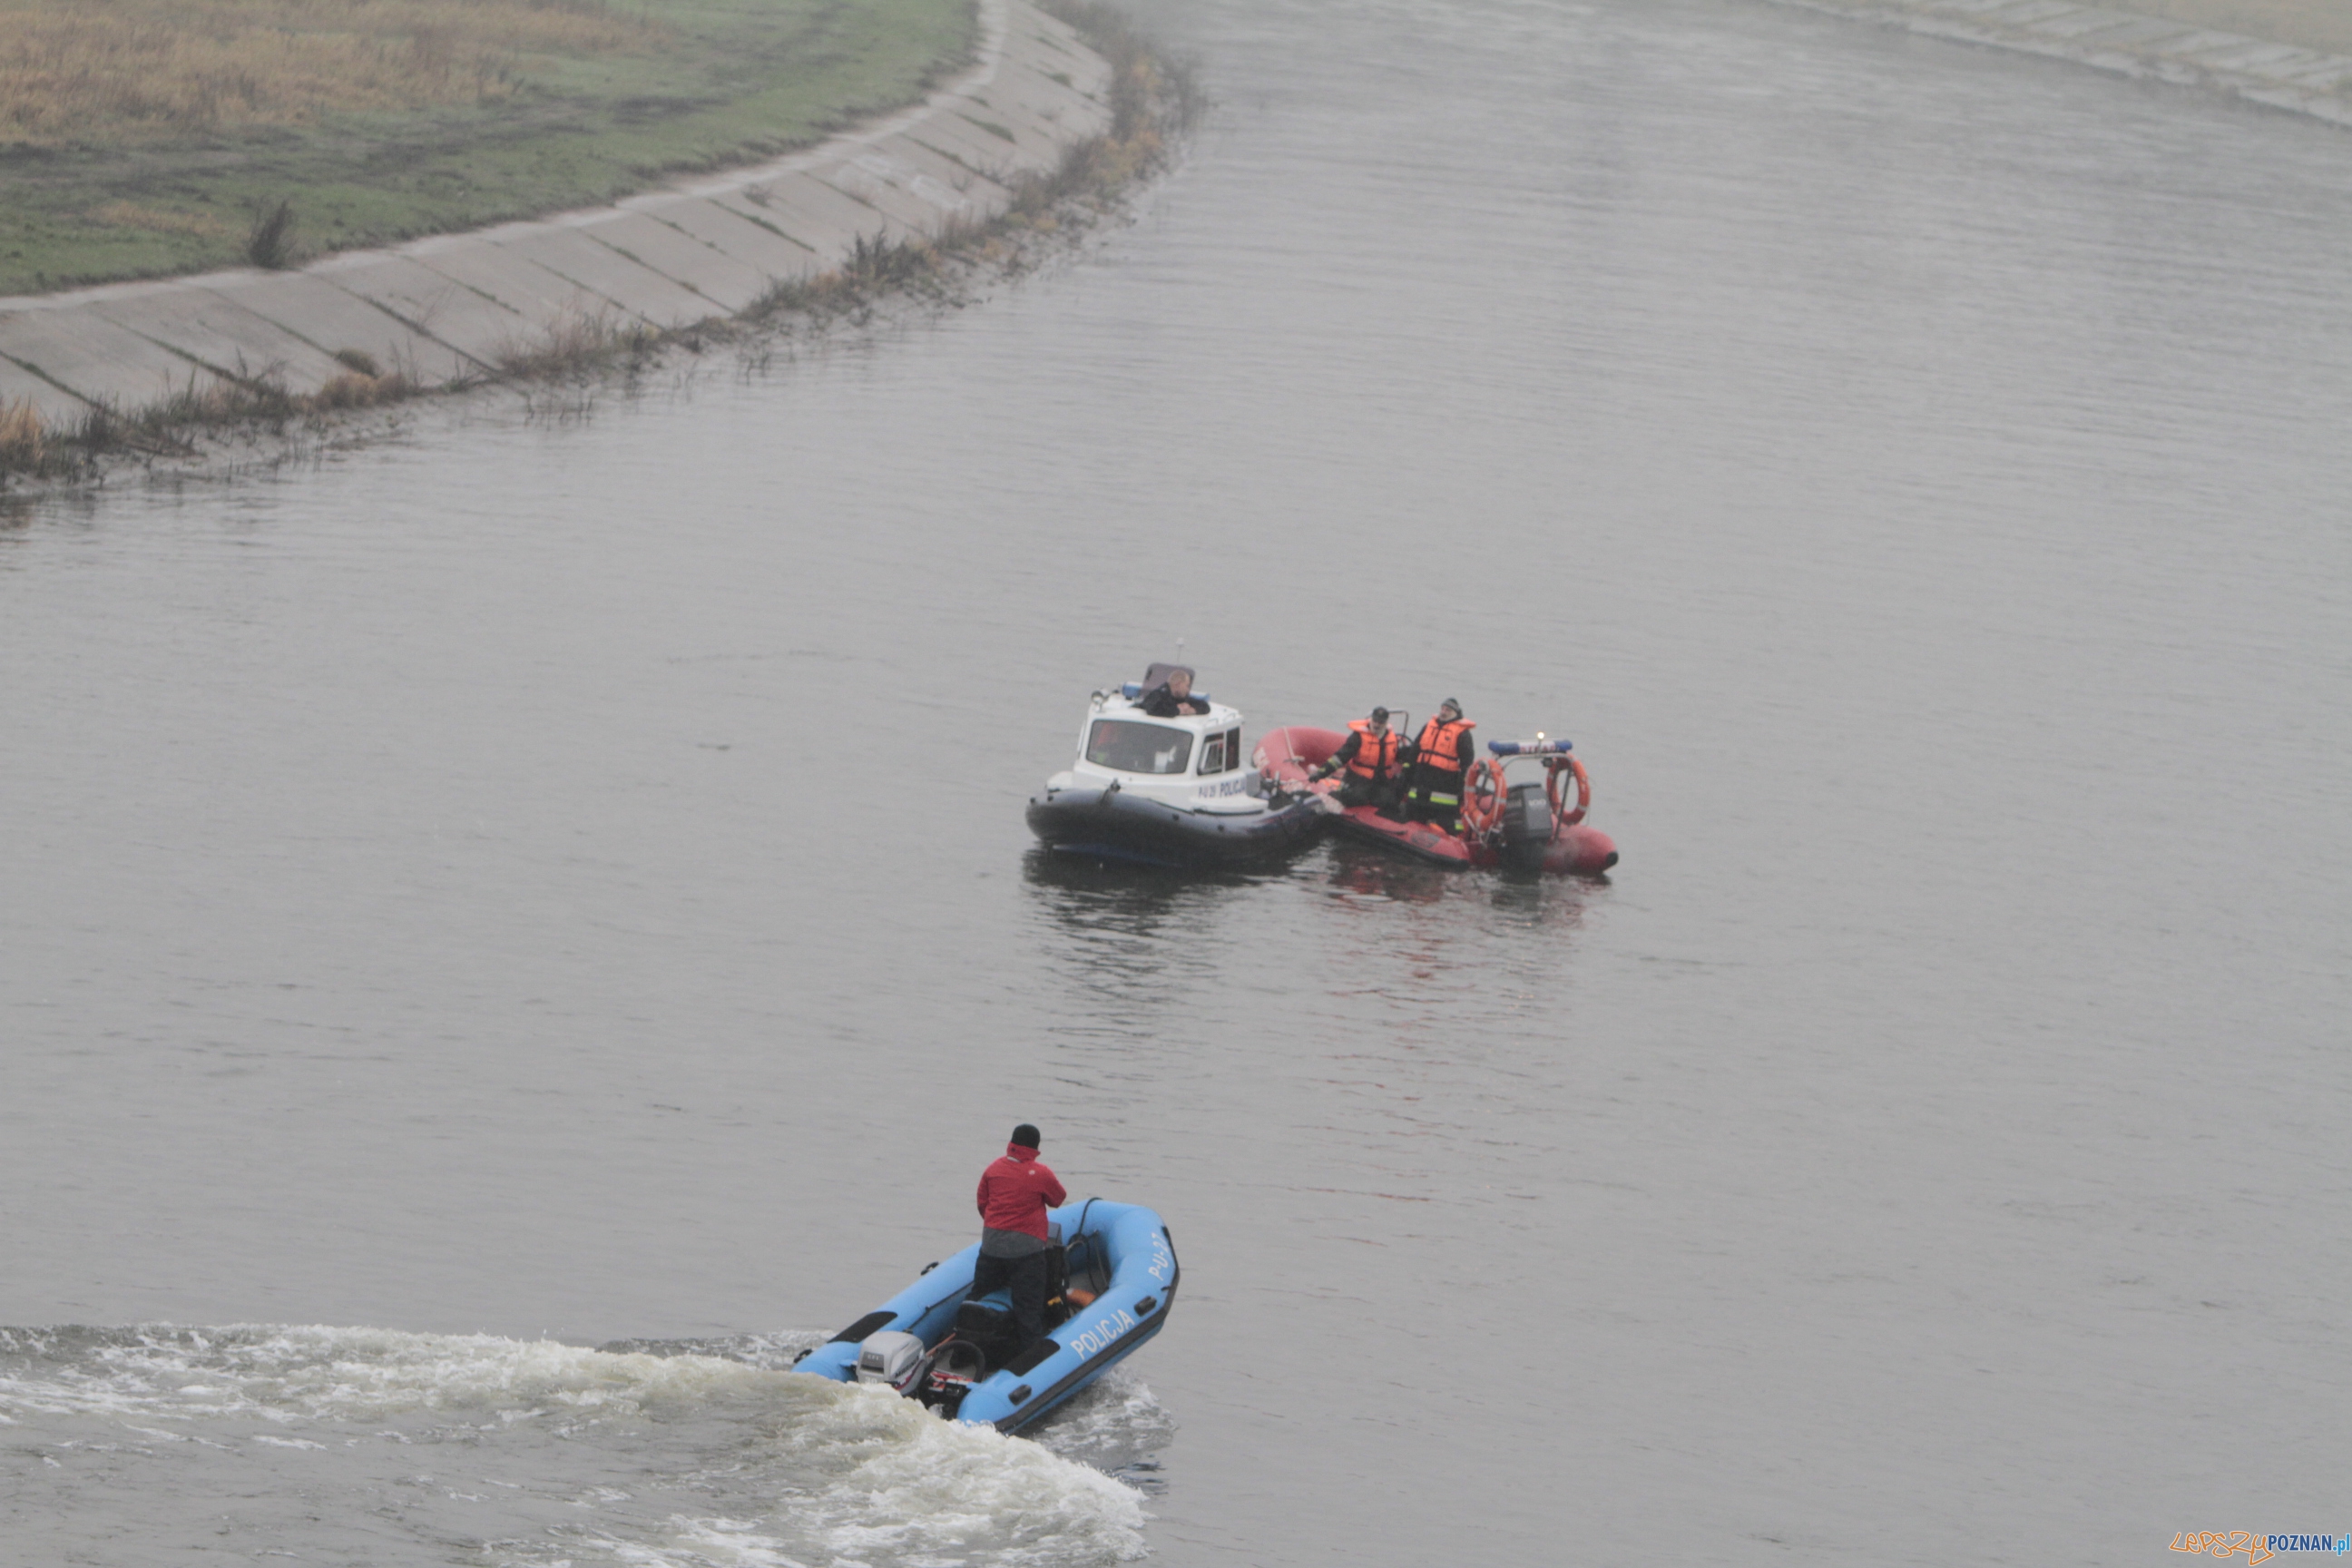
511, 931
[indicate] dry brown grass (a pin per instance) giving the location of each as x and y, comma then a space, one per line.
357, 389
143, 70
78, 449
159, 220
22, 445
576, 341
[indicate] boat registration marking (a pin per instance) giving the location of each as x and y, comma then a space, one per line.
1103, 1334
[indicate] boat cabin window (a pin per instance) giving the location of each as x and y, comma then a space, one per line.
1126, 746
1222, 753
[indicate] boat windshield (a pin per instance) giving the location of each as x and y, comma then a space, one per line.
1125, 746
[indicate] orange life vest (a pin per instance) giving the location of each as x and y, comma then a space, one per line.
1376, 755
1435, 748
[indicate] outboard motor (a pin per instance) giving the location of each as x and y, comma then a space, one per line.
892, 1357
1526, 826
939, 1378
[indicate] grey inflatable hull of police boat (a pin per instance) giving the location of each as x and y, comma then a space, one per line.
1125, 1253
1124, 824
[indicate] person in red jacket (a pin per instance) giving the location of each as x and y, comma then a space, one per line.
1014, 1193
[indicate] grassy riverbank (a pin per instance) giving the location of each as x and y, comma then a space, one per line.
232, 423
145, 138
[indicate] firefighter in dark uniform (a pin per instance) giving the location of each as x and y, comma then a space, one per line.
1436, 766
1373, 756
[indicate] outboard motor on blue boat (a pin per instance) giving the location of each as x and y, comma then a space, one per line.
1109, 1291
985, 1337
891, 1357
940, 1378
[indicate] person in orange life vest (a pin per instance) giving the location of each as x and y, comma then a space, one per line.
1372, 753
1437, 765
1014, 1193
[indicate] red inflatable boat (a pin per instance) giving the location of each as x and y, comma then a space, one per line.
1534, 826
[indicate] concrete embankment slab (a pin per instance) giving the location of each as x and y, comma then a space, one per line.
2285, 68
1031, 151
868, 178
53, 403
2134, 32
811, 211
825, 249
889, 220
2283, 75
2244, 57
332, 320
1033, 26
2082, 24
952, 136
540, 297
1054, 46
2332, 72
986, 196
1070, 113
569, 252
94, 359
2191, 45
1064, 121
716, 276
954, 202
773, 255
224, 338
1041, 69
481, 332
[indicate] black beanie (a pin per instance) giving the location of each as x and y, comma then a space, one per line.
1025, 1136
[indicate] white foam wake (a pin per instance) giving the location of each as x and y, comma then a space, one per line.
165, 1372
918, 1484
568, 1454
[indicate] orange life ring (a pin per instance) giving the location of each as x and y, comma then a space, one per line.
1561, 817
1482, 795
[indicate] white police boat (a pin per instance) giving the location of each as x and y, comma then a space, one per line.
1109, 1288
1178, 792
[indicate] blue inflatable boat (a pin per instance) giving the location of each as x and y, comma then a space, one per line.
1111, 1278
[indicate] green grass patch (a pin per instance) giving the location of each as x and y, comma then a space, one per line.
533, 128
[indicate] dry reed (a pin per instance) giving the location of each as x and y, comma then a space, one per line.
84, 71
22, 440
